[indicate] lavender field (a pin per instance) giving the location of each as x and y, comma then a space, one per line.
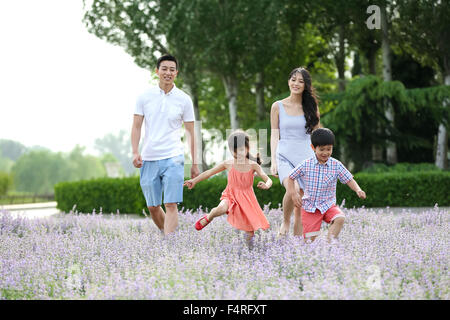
380, 255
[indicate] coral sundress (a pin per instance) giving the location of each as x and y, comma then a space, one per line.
244, 211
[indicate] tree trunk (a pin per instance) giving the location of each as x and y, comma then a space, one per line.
391, 149
231, 89
259, 86
340, 66
340, 59
203, 166
357, 68
198, 133
261, 111
372, 59
442, 137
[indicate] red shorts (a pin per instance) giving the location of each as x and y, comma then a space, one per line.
312, 221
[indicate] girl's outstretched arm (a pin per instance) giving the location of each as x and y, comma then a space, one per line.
205, 175
267, 181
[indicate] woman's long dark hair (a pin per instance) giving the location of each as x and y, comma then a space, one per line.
239, 139
309, 99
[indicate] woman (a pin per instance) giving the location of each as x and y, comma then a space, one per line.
292, 120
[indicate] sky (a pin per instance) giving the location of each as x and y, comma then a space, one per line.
60, 85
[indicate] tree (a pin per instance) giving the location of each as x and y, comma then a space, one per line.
82, 167
119, 146
38, 171
6, 182
423, 29
230, 37
361, 112
5, 163
11, 149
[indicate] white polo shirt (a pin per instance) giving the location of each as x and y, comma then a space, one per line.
164, 115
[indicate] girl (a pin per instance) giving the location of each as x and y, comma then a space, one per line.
292, 120
238, 200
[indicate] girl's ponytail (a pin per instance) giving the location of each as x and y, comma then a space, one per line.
257, 159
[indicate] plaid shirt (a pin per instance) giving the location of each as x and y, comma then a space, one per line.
320, 182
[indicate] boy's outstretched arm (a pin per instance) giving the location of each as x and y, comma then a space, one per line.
204, 175
355, 187
267, 181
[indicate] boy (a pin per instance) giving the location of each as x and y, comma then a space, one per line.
319, 175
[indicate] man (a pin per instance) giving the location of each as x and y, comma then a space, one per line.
164, 108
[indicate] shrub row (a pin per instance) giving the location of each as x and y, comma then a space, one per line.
409, 189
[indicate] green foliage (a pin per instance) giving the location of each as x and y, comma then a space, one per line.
358, 120
382, 189
38, 171
432, 101
401, 167
6, 182
11, 149
395, 189
117, 145
429, 19
5, 163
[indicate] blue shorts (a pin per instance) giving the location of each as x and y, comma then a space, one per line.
163, 175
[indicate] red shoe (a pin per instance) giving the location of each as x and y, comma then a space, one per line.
198, 225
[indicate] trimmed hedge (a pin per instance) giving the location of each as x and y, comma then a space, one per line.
393, 189
409, 189
110, 194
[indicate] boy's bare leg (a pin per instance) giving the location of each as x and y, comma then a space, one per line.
157, 214
310, 239
171, 219
335, 228
298, 227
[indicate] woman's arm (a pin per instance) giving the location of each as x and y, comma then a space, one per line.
274, 137
205, 175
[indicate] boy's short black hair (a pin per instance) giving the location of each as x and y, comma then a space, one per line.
167, 57
322, 137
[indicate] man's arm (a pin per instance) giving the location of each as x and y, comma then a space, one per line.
135, 137
190, 133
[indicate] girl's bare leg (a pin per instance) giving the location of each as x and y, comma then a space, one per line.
221, 209
249, 234
249, 238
